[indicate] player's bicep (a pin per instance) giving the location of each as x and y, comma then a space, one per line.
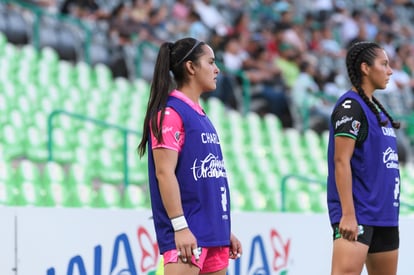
344, 149
165, 161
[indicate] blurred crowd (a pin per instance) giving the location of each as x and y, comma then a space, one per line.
290, 52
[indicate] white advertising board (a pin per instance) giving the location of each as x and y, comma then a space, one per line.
59, 241
7, 241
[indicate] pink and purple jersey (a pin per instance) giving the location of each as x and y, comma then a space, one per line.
201, 176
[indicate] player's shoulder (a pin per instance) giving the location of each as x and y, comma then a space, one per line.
348, 103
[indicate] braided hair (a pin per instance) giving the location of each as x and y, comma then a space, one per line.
366, 52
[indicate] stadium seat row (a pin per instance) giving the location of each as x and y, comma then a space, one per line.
85, 164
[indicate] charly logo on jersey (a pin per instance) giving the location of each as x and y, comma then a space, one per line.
343, 120
388, 131
390, 158
347, 104
209, 167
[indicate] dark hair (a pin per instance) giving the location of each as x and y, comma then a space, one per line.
365, 52
170, 60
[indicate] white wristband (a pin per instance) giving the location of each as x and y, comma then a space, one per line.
179, 223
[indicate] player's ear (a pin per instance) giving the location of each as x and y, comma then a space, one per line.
189, 66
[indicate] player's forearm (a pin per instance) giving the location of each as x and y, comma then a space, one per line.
343, 176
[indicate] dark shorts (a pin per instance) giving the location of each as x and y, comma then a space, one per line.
378, 238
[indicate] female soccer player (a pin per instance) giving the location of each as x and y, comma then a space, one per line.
190, 195
363, 170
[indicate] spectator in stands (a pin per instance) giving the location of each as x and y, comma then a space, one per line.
405, 53
84, 9
188, 183
362, 161
360, 36
180, 10
121, 26
196, 28
346, 22
267, 86
49, 5
157, 25
288, 62
140, 10
241, 28
308, 105
211, 16
178, 20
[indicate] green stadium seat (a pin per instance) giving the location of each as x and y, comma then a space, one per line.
27, 64
325, 139
103, 77
122, 86
232, 132
138, 169
299, 202
54, 183
260, 201
215, 110
30, 194
32, 95
78, 174
6, 196
317, 195
79, 186
47, 72
35, 145
273, 132
5, 107
3, 43
49, 55
87, 158
239, 200
12, 53
134, 197
96, 110
116, 114
5, 161
7, 191
39, 120
28, 171
110, 165
253, 128
293, 141
107, 196
27, 184
84, 76
62, 146
81, 195
66, 77
18, 119
141, 86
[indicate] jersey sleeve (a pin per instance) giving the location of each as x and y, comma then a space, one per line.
347, 118
172, 131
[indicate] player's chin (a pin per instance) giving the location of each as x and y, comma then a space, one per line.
211, 88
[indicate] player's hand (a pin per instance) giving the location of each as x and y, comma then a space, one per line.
236, 249
348, 228
185, 243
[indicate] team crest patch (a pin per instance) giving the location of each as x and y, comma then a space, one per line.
356, 125
177, 136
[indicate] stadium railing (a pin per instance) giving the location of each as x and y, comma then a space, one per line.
97, 122
39, 13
